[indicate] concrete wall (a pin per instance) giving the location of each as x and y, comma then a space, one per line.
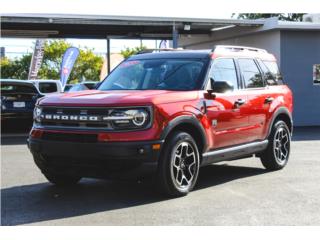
299, 51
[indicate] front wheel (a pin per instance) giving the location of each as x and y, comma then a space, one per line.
53, 177
62, 180
276, 155
179, 165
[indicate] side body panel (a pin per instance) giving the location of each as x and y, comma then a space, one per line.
261, 111
228, 122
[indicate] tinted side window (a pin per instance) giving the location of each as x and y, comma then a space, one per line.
47, 87
273, 70
267, 75
224, 70
251, 74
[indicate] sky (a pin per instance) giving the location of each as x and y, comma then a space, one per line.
18, 47
163, 8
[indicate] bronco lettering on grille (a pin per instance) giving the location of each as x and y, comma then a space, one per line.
64, 117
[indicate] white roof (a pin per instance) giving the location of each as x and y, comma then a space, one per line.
274, 23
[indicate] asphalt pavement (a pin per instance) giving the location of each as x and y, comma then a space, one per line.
233, 193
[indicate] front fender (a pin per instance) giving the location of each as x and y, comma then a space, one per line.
191, 120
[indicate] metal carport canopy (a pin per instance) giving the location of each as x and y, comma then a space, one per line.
102, 27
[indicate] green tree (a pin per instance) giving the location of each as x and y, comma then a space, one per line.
15, 69
297, 17
52, 58
132, 51
87, 66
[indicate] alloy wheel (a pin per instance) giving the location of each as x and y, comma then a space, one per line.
183, 165
281, 145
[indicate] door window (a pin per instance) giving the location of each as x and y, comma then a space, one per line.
223, 69
251, 74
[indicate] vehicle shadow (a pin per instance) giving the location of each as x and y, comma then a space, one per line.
40, 202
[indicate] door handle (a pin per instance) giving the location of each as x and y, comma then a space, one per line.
239, 102
268, 100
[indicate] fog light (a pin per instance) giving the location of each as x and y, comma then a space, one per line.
141, 151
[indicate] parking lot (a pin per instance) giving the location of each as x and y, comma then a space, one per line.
234, 193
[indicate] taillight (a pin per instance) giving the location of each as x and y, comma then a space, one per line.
36, 133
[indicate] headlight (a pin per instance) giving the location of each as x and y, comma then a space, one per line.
130, 118
37, 113
2, 99
3, 107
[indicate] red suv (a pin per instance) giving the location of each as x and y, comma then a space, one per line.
171, 112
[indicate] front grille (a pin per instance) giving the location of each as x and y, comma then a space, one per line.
70, 137
96, 113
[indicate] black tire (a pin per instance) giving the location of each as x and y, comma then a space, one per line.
62, 180
179, 165
276, 155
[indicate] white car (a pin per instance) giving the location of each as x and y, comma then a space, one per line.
47, 86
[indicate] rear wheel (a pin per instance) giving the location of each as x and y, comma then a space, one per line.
276, 155
179, 166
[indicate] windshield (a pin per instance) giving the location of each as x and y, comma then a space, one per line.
155, 74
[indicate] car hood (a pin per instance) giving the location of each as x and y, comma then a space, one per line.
116, 98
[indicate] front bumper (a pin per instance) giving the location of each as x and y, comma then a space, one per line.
95, 159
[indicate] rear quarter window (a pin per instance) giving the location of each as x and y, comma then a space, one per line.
271, 72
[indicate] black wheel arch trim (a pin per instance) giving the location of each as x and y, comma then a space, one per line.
183, 120
280, 110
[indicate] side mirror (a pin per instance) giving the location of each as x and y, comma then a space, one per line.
210, 91
222, 86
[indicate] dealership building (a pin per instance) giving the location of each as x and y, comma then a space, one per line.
296, 45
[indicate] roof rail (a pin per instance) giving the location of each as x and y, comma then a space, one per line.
238, 48
152, 50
